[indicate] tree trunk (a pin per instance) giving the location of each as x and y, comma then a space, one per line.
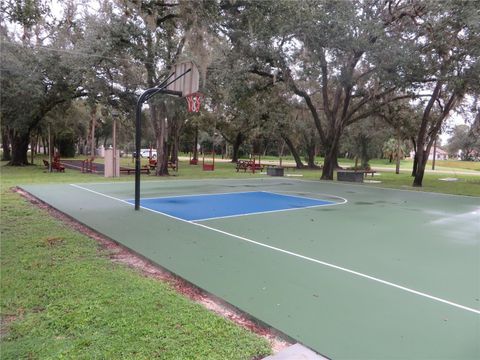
162, 161
32, 150
175, 140
45, 145
310, 148
420, 169
93, 116
7, 155
236, 146
311, 157
195, 144
415, 164
422, 161
331, 159
364, 153
159, 124
434, 154
399, 153
328, 167
19, 149
294, 152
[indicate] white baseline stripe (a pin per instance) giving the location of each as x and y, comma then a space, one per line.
353, 272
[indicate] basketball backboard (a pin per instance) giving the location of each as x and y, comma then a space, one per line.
188, 83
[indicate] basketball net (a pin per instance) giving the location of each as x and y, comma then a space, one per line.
194, 101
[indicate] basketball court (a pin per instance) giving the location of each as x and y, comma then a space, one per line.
351, 271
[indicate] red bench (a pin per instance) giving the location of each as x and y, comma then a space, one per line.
56, 165
152, 163
249, 165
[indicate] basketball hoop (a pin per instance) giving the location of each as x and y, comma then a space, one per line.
194, 100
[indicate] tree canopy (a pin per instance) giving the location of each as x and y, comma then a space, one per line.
314, 75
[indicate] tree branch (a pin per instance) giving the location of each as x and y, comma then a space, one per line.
374, 110
326, 104
310, 105
365, 101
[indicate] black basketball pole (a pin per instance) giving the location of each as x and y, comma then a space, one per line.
147, 94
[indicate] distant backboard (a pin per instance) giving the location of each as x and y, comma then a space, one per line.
188, 83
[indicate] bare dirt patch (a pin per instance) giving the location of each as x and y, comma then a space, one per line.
120, 254
4, 322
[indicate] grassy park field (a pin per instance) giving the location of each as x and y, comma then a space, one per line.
62, 296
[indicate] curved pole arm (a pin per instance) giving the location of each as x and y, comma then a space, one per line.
147, 94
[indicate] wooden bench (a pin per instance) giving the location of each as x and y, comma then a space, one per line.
88, 166
249, 165
56, 165
365, 172
173, 165
152, 163
143, 170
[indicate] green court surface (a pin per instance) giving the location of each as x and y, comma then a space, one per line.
379, 274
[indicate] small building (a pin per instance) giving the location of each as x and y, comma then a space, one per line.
440, 154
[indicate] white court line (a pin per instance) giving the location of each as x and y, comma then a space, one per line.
205, 194
294, 194
252, 213
381, 188
333, 266
126, 202
168, 180
264, 212
270, 179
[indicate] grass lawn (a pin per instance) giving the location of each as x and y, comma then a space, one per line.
62, 297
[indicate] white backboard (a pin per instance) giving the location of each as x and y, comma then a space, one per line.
189, 82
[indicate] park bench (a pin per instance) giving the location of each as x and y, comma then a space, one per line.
88, 166
56, 165
173, 165
369, 171
143, 170
152, 163
249, 165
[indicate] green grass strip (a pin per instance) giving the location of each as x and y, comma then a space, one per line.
61, 297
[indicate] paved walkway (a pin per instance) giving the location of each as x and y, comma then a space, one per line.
295, 352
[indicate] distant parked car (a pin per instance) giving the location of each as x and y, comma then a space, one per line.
145, 153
